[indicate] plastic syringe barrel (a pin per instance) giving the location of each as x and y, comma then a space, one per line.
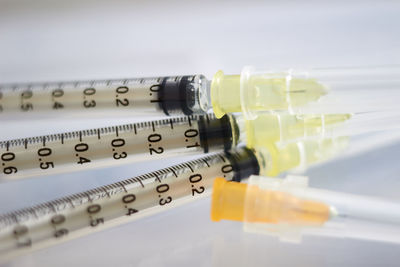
117, 97
96, 148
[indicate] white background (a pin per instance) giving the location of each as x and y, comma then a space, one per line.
63, 40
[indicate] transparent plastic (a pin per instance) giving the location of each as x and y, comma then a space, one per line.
288, 208
283, 127
269, 128
276, 158
336, 90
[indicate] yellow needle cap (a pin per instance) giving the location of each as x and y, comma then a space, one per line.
253, 91
278, 158
269, 128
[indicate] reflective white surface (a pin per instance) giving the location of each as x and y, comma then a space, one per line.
47, 40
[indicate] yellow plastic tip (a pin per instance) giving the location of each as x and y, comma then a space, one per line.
215, 84
225, 94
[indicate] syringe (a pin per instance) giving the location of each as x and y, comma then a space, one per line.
92, 148
315, 91
288, 208
80, 214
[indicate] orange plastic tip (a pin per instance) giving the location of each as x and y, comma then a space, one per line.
228, 199
248, 203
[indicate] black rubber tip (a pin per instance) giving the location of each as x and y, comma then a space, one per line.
244, 163
177, 95
215, 133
